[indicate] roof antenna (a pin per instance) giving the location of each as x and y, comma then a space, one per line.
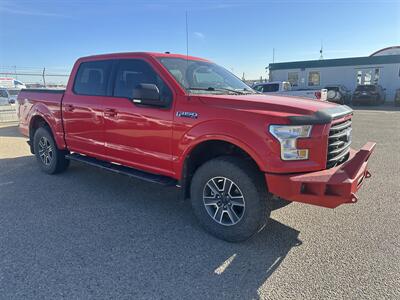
187, 38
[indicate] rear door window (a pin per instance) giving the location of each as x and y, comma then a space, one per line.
92, 78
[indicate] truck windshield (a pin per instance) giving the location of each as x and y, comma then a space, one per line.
201, 77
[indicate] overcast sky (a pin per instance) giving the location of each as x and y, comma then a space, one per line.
240, 35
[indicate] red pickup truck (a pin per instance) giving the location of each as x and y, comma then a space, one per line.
187, 122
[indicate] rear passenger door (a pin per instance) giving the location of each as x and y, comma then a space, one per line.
83, 108
137, 135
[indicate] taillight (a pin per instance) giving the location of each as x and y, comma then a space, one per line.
318, 94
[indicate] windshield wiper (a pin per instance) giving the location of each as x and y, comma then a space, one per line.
212, 89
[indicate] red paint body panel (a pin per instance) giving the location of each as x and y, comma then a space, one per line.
328, 188
158, 141
45, 105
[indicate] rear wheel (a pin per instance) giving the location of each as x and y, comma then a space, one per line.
51, 160
229, 197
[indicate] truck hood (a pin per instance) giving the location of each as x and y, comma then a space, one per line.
298, 110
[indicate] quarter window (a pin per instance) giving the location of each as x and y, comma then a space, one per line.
133, 72
92, 78
313, 78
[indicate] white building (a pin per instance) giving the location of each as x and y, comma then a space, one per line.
382, 67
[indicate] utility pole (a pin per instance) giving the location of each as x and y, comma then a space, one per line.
320, 52
43, 76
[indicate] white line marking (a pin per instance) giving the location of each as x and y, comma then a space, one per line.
224, 265
376, 111
6, 183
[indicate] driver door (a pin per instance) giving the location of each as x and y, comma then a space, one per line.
137, 135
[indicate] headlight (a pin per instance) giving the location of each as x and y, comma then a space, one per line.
287, 136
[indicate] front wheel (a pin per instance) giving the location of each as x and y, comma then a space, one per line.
51, 160
229, 197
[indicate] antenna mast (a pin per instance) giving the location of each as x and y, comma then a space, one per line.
187, 37
320, 52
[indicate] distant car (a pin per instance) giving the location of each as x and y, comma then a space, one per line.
285, 88
368, 94
397, 98
13, 95
338, 93
4, 97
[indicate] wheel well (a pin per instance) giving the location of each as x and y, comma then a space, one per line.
205, 152
36, 122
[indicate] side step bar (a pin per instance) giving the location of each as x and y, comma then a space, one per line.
154, 178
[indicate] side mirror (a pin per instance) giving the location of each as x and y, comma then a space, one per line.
147, 94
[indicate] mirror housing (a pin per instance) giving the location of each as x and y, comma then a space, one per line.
147, 94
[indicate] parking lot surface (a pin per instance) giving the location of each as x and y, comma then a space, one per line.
88, 234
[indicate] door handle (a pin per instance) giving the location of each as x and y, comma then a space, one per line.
69, 107
110, 112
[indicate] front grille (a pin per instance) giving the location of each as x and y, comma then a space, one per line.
339, 143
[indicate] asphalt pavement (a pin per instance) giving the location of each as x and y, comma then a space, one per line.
90, 234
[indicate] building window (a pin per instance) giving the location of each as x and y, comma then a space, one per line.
313, 78
376, 78
293, 78
359, 77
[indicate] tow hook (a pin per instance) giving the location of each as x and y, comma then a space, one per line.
353, 198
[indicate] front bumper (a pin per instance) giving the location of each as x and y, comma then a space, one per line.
328, 188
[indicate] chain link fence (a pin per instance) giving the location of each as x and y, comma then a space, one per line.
8, 114
37, 77
32, 77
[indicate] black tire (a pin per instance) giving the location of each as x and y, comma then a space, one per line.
56, 162
251, 185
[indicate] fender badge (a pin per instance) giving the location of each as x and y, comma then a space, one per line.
187, 114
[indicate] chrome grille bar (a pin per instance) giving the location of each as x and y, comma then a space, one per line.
339, 142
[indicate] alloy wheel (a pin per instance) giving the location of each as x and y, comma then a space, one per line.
224, 201
45, 151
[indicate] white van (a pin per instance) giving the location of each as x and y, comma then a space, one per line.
11, 83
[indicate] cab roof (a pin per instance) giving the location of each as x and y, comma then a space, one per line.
142, 54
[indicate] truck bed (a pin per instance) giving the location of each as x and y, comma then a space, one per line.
41, 102
52, 91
